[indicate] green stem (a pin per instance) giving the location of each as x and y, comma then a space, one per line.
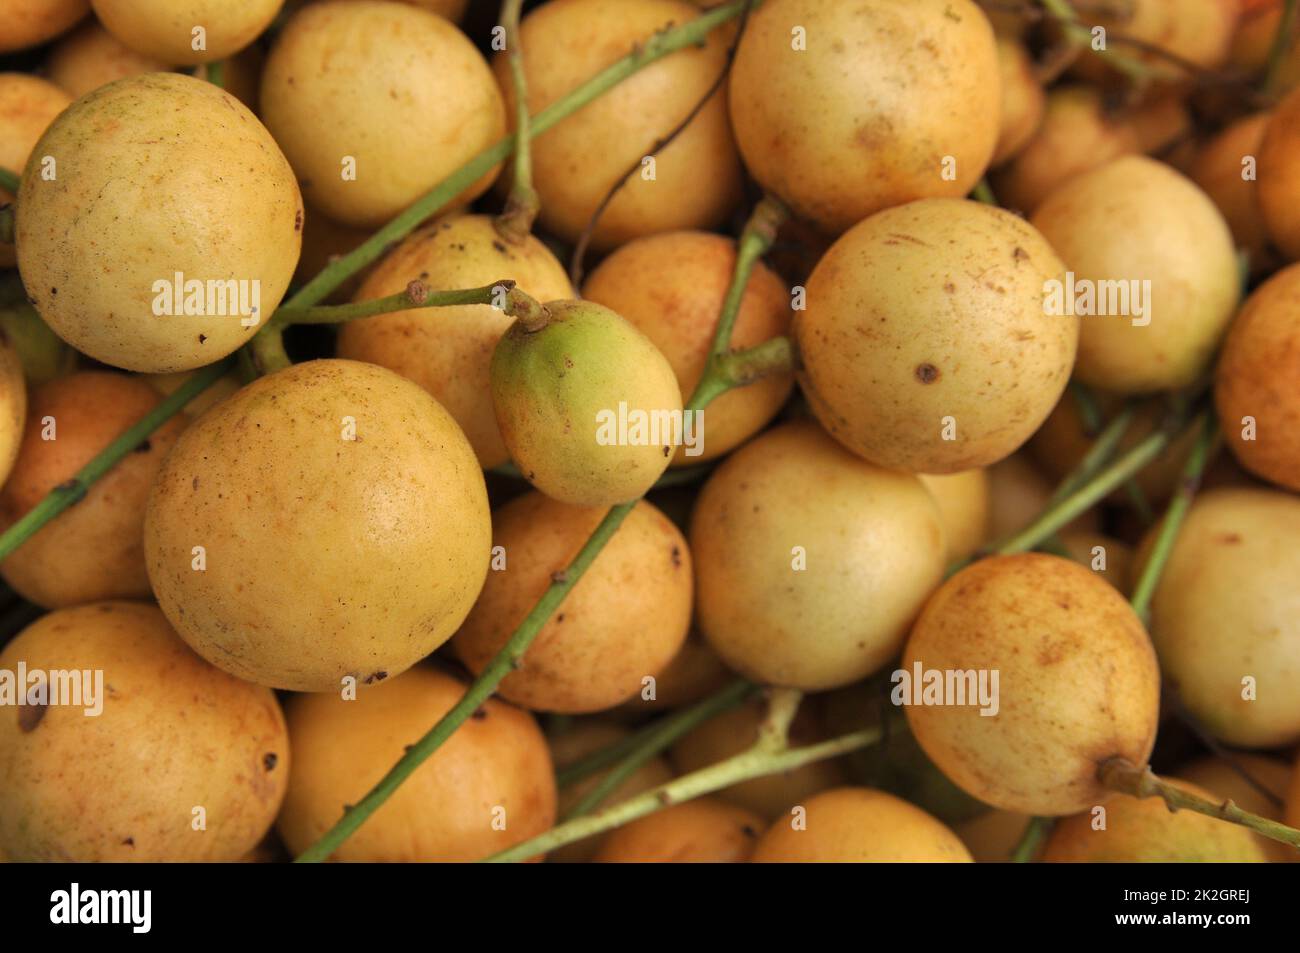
656, 738
657, 47
1031, 841
1282, 43
1078, 33
1193, 470
516, 222
1102, 449
71, 491
755, 241
9, 181
983, 192
216, 74
416, 295
739, 368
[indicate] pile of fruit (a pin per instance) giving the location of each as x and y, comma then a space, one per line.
643, 430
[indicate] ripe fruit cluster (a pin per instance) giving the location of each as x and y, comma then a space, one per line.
316, 463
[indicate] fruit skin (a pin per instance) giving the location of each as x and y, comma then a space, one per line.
1078, 682
1197, 31
929, 311
325, 557
1023, 100
448, 351
1120, 568
672, 287
872, 541
95, 549
624, 620
703, 831
13, 405
1227, 607
559, 392
1135, 219
963, 501
1218, 170
1018, 492
735, 731
28, 105
444, 811
697, 177
91, 57
1146, 831
25, 23
396, 87
1218, 776
1278, 186
91, 254
993, 836
585, 737
175, 733
1256, 376
694, 674
860, 825
808, 135
1292, 813
163, 29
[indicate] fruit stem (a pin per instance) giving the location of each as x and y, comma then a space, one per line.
1119, 774
1102, 449
501, 665
655, 738
656, 48
762, 759
1078, 33
215, 73
515, 223
415, 295
983, 192
1281, 44
9, 181
1090, 412
267, 348
71, 491
1190, 482
1031, 841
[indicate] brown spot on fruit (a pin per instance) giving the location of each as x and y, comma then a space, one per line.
270, 760
30, 715
927, 373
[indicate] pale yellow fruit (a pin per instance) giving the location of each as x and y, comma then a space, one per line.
448, 351
963, 500
860, 825
1221, 168
1225, 618
926, 344
694, 674
1223, 781
1077, 682
1146, 831
624, 620
28, 104
807, 132
696, 178
993, 835
1023, 100
95, 549
1133, 225
13, 406
91, 57
672, 287
1278, 188
375, 103
144, 192
343, 522
174, 733
167, 384
186, 31
811, 590
450, 808
1198, 32
25, 23
703, 831
1292, 814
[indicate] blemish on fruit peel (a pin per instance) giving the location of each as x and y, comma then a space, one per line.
220, 297
943, 687
643, 428
1086, 298
76, 688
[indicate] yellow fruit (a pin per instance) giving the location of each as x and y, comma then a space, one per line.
91, 57
1219, 169
703, 831
1222, 779
25, 23
963, 501
28, 105
186, 31
993, 835
13, 406
1023, 100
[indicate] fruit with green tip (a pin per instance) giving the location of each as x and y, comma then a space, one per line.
586, 404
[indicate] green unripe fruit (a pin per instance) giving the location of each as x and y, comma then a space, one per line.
588, 407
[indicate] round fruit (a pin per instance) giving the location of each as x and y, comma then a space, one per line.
13, 405
95, 549
1292, 815
1225, 618
1256, 378
1110, 558
703, 831
1135, 232
1219, 170
1077, 682
608, 634
736, 731
694, 674
328, 520
693, 182
927, 344
672, 287
807, 133
1146, 831
1198, 32
107, 256
587, 405
25, 23
186, 31
375, 103
811, 590
860, 825
448, 351
166, 384
1278, 188
182, 762
1223, 779
963, 501
1023, 99
993, 836
91, 57
489, 787
1018, 492
28, 105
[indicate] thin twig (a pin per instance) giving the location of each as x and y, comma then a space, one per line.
515, 223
